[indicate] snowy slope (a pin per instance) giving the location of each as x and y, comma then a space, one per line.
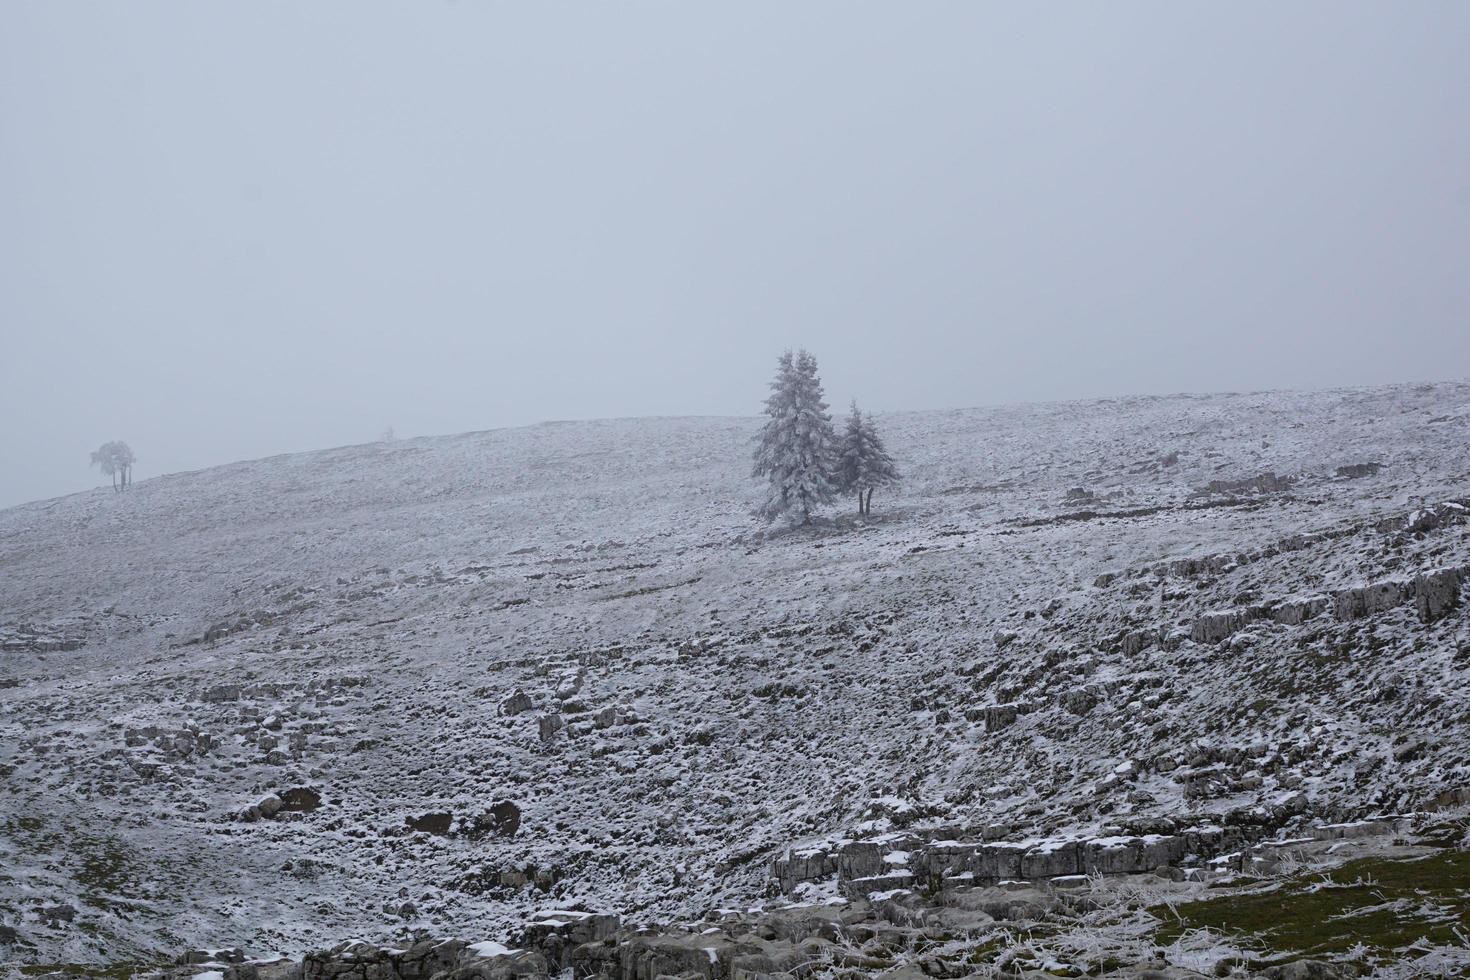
1014, 642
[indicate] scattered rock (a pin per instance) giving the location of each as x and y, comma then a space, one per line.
300, 799
1436, 594
276, 969
549, 725
1264, 483
437, 824
1370, 600
501, 820
516, 703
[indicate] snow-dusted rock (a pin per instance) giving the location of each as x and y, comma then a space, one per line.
365, 961
1371, 599
1437, 593
517, 702
550, 725
1051, 859
502, 819
280, 968
556, 933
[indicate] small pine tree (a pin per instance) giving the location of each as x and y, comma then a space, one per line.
863, 462
797, 447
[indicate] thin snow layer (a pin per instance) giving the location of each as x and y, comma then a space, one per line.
489, 948
352, 624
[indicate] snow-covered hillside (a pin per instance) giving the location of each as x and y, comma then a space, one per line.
479, 675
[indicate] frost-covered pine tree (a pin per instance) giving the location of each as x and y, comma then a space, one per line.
863, 462
797, 452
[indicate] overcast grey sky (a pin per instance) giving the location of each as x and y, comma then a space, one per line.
232, 230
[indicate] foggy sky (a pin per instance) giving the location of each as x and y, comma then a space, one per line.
228, 231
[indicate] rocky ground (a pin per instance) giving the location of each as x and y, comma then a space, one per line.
1092, 660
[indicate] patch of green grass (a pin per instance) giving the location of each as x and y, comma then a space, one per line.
102, 865
1382, 904
987, 951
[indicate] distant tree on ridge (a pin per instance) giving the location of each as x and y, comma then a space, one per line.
115, 459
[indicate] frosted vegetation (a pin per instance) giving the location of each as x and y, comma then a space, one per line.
805, 463
115, 459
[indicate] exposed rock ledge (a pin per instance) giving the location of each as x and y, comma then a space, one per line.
899, 932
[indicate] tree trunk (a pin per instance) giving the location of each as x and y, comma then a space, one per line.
868, 504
